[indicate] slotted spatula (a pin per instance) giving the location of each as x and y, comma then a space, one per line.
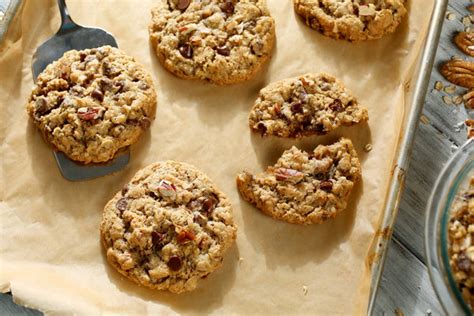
73, 36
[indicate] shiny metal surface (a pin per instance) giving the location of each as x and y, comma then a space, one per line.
73, 36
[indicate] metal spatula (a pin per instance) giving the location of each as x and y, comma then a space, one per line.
73, 36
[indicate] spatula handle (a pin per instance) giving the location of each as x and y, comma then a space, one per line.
66, 21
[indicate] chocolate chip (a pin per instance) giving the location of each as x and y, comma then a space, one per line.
209, 204
297, 107
318, 128
185, 236
144, 123
175, 263
119, 85
183, 4
223, 50
262, 128
186, 50
82, 56
463, 262
157, 240
41, 106
121, 204
228, 7
125, 189
105, 84
96, 94
336, 106
326, 186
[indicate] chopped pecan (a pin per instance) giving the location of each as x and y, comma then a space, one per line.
185, 236
465, 42
286, 174
166, 189
459, 72
469, 99
326, 185
88, 114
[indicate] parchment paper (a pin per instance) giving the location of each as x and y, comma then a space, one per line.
51, 258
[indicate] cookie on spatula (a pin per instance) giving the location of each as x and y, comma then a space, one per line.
311, 104
305, 188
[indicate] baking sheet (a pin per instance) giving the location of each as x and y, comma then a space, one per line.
50, 255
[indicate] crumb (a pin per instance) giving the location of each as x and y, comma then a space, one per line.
368, 147
305, 290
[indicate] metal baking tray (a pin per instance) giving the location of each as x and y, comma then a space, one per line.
416, 93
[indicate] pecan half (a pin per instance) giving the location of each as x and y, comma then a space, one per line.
465, 42
459, 72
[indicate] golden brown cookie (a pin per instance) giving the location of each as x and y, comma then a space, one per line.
312, 104
352, 20
168, 228
91, 103
220, 41
305, 188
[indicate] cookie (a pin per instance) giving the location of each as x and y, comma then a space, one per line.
304, 188
168, 228
461, 249
220, 41
91, 103
312, 104
352, 20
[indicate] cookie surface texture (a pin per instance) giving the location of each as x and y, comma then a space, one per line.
312, 104
168, 228
352, 20
220, 41
304, 188
91, 103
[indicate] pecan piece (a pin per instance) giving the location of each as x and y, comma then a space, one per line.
470, 128
459, 72
469, 99
88, 114
166, 189
465, 42
326, 186
286, 174
185, 236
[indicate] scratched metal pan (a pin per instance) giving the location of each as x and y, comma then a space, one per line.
417, 97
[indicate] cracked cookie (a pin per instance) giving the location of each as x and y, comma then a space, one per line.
91, 103
461, 247
312, 104
220, 41
304, 188
352, 20
168, 227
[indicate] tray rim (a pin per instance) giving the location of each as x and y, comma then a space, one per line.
426, 62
